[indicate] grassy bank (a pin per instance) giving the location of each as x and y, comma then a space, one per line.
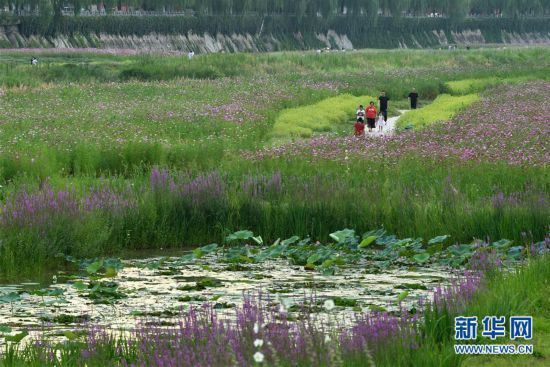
469, 86
368, 70
516, 293
170, 209
443, 108
521, 292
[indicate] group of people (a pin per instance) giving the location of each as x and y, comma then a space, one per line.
371, 113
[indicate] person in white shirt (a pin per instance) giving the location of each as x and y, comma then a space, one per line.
190, 55
381, 122
360, 114
360, 121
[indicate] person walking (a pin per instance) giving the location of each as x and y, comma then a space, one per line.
413, 96
384, 105
371, 116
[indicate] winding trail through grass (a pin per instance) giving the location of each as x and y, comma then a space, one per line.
389, 129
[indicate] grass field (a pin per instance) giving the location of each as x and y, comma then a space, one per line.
65, 130
106, 155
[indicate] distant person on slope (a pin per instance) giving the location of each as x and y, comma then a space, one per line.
384, 105
371, 116
34, 61
413, 96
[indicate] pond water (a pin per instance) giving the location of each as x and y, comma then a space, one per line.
162, 288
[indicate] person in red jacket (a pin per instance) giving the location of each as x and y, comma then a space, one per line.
371, 116
359, 129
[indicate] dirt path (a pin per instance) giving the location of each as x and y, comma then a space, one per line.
389, 129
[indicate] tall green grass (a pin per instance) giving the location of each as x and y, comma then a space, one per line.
365, 69
522, 291
443, 108
320, 117
412, 199
126, 160
469, 86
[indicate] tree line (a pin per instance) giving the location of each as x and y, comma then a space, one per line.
298, 8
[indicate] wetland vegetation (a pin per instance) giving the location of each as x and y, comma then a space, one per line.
181, 208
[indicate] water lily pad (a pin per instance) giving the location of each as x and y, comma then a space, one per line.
438, 239
17, 337
411, 286
71, 335
377, 308
422, 257
94, 267
501, 245
343, 235
402, 296
10, 297
367, 241
344, 302
239, 235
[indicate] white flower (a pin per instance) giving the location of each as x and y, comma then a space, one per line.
256, 328
259, 357
258, 343
329, 304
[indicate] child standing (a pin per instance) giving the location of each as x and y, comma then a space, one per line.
360, 114
359, 129
360, 121
381, 122
371, 116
